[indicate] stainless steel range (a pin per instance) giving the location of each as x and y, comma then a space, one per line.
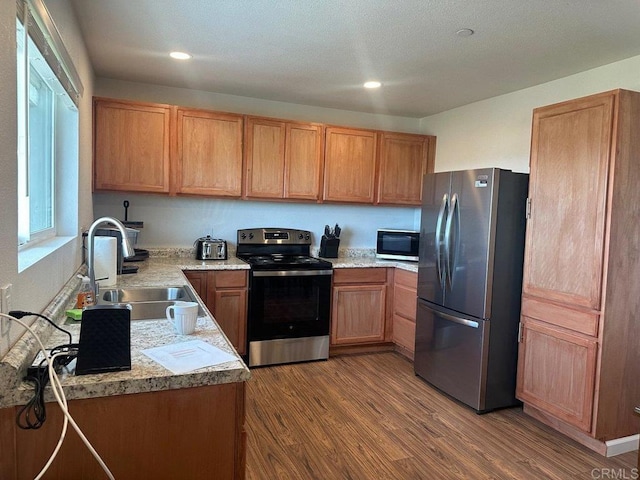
289, 296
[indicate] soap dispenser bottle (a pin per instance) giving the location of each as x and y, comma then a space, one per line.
86, 296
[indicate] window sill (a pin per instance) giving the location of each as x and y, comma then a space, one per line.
31, 255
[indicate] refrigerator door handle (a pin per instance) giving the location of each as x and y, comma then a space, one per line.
461, 321
441, 214
448, 248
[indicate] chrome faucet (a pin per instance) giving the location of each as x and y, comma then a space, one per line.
127, 248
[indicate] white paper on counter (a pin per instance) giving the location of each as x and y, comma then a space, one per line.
187, 356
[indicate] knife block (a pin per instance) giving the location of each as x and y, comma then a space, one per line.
329, 247
105, 340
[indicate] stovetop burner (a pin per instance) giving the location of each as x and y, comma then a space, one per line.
280, 260
278, 248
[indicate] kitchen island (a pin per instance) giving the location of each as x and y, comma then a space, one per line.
146, 422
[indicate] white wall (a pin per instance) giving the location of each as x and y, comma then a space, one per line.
177, 222
497, 132
35, 287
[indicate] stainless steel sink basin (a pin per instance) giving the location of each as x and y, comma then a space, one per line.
129, 295
147, 303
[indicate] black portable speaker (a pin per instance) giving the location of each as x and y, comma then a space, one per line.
105, 339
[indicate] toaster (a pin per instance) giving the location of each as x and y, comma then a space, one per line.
208, 248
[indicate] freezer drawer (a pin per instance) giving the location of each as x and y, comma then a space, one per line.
452, 352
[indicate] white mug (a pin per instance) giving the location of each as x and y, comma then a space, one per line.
185, 317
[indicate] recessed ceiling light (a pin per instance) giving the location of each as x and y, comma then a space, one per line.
180, 55
465, 32
372, 84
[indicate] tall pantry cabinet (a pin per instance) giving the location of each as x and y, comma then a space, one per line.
579, 355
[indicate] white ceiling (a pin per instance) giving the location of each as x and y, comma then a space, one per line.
319, 52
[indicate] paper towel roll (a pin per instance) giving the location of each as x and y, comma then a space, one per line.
105, 260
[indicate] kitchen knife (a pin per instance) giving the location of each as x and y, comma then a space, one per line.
336, 231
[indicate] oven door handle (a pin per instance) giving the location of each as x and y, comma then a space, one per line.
291, 273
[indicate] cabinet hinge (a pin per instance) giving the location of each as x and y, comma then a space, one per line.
528, 208
520, 332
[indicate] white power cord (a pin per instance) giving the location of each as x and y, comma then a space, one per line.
58, 393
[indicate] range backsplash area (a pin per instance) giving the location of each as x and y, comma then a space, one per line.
179, 221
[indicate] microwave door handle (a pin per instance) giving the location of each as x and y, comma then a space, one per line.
450, 250
441, 215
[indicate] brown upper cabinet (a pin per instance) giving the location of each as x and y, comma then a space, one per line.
131, 146
283, 160
208, 157
154, 148
350, 165
404, 159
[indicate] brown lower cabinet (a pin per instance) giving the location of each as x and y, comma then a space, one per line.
359, 306
225, 293
405, 286
194, 433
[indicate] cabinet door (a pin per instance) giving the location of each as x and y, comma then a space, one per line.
208, 153
568, 189
556, 372
131, 146
403, 163
227, 300
303, 165
230, 310
265, 145
358, 314
198, 281
350, 165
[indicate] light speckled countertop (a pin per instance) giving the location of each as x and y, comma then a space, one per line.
146, 375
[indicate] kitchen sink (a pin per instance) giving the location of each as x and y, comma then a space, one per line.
128, 295
147, 303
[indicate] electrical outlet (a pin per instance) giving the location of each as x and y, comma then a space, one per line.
5, 298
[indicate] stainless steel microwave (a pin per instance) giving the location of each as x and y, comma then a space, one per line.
398, 244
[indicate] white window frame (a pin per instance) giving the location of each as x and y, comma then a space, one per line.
55, 66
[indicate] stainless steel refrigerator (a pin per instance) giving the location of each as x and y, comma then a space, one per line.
469, 284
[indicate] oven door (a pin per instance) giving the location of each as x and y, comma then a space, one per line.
289, 304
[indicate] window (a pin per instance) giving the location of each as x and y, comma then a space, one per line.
47, 123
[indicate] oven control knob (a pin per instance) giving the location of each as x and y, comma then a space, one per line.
250, 236
243, 236
307, 237
300, 236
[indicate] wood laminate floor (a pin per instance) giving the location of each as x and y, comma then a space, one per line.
368, 417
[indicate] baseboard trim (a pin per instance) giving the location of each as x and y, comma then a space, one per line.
618, 446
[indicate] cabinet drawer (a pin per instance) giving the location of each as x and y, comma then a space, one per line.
360, 275
407, 279
231, 279
583, 322
404, 332
404, 302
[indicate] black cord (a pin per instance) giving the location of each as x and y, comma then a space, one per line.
33, 414
19, 314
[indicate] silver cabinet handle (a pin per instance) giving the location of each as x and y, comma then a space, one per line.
441, 214
461, 321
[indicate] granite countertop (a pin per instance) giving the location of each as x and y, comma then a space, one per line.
146, 375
